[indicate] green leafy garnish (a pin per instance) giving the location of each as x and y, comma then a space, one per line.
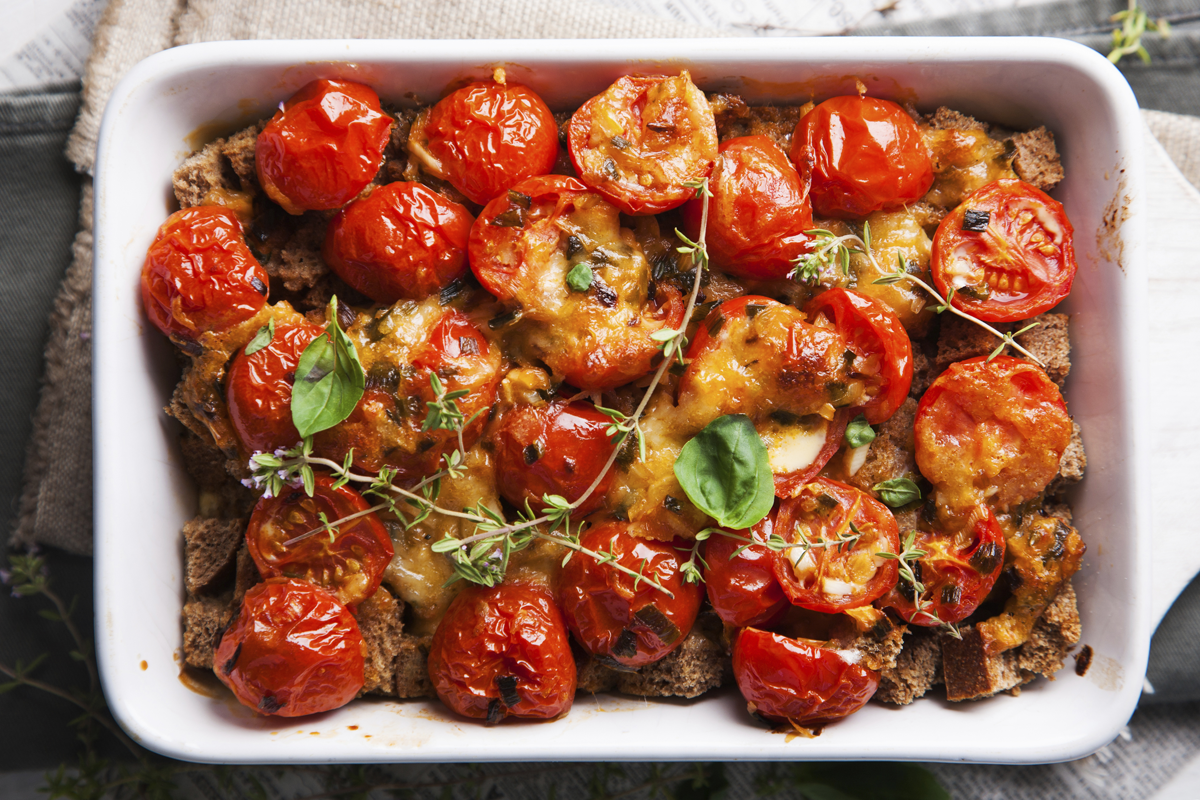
580, 277
261, 339
329, 379
897, 492
859, 432
726, 473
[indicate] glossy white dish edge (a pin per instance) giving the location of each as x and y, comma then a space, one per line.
143, 496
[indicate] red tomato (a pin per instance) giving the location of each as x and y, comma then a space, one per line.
863, 154
759, 211
956, 571
556, 448
623, 626
990, 431
799, 680
487, 137
642, 139
402, 241
258, 390
1012, 259
835, 577
882, 351
323, 147
349, 561
503, 651
742, 588
292, 650
199, 275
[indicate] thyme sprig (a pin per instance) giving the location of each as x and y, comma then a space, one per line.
829, 250
909, 554
1127, 39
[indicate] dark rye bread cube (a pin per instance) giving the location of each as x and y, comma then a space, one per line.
221, 166
210, 549
1037, 161
960, 339
891, 454
380, 622
918, 668
695, 667
204, 620
412, 666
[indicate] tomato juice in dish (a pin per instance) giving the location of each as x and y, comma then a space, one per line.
487, 402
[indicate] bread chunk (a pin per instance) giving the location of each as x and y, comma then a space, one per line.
204, 462
946, 119
1073, 463
1050, 342
891, 454
592, 677
735, 118
959, 340
379, 621
690, 670
1037, 161
210, 550
220, 172
918, 668
412, 667
204, 620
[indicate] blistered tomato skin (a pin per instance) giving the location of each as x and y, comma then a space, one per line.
292, 650
258, 389
797, 680
742, 588
1007, 251
487, 137
402, 241
862, 154
323, 147
641, 139
623, 626
759, 212
503, 651
200, 276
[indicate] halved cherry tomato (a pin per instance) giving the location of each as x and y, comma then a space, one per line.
258, 390
799, 680
503, 651
835, 574
623, 626
882, 350
200, 276
485, 138
742, 588
556, 448
323, 147
1007, 252
759, 212
348, 561
400, 241
990, 431
957, 571
862, 154
641, 139
292, 650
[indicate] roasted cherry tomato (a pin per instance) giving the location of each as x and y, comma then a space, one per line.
555, 448
402, 241
957, 571
990, 431
503, 651
742, 588
799, 681
595, 334
846, 529
292, 650
348, 560
1007, 252
200, 276
258, 389
642, 139
862, 154
623, 626
759, 213
485, 138
882, 366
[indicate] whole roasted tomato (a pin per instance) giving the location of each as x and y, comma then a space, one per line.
557, 448
641, 139
200, 276
402, 241
882, 351
348, 560
292, 650
990, 431
742, 588
623, 625
485, 138
1007, 252
323, 147
258, 389
503, 651
759, 213
862, 154
844, 529
957, 571
799, 681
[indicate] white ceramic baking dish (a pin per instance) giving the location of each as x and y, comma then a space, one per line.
143, 497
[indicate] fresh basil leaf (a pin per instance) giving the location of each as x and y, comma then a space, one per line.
261, 339
859, 432
580, 277
726, 473
329, 379
897, 492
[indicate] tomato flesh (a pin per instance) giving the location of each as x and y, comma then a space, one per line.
742, 588
258, 390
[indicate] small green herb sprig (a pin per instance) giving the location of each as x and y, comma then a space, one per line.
1134, 23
